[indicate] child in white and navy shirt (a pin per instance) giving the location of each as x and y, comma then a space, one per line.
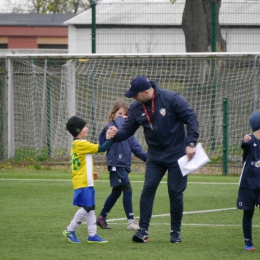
249, 183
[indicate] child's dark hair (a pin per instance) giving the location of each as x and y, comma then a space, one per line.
118, 104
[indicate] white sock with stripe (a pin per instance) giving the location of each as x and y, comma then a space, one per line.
80, 215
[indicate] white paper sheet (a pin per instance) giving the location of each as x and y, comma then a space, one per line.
200, 158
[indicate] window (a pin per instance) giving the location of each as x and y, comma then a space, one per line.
52, 46
3, 46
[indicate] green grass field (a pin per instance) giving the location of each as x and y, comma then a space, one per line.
36, 206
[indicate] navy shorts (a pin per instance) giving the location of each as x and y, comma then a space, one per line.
247, 199
119, 177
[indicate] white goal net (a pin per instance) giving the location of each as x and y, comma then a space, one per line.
44, 91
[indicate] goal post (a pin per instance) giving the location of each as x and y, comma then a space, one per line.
45, 90
10, 110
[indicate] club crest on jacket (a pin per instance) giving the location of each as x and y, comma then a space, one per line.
163, 111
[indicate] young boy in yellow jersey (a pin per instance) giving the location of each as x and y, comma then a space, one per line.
81, 163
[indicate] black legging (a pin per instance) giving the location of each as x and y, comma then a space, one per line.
247, 223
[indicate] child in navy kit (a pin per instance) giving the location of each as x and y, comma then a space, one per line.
81, 163
119, 162
249, 183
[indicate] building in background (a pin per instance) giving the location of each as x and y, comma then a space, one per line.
156, 27
23, 33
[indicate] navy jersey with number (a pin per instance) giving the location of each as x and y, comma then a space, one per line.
250, 175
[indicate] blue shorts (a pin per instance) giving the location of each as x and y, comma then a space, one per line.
84, 197
247, 199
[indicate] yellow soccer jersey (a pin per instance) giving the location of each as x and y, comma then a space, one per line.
81, 163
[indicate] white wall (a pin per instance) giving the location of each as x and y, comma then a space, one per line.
242, 39
162, 40
132, 40
79, 40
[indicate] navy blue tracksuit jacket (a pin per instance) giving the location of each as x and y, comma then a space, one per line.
250, 175
168, 140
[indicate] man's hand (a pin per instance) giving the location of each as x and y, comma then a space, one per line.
111, 132
190, 151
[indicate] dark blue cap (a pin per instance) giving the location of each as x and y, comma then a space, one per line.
254, 121
137, 85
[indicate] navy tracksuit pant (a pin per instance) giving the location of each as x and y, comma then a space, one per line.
176, 185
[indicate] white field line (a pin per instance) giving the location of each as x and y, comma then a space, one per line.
185, 213
187, 225
51, 180
163, 182
216, 225
115, 220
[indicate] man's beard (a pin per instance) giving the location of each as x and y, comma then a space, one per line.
143, 101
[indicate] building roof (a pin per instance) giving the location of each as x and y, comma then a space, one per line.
12, 19
240, 13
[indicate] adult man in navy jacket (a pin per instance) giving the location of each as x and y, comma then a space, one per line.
163, 115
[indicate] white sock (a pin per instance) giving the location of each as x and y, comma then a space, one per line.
92, 223
77, 220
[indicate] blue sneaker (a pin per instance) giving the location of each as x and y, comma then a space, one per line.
96, 240
249, 246
71, 236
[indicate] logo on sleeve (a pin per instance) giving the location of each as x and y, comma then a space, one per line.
257, 164
163, 111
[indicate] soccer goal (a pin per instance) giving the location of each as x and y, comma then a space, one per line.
43, 91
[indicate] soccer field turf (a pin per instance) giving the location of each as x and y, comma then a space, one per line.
37, 206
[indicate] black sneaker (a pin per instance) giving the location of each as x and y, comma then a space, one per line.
141, 236
175, 237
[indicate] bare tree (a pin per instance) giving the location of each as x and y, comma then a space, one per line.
49, 6
197, 23
15, 8
59, 6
